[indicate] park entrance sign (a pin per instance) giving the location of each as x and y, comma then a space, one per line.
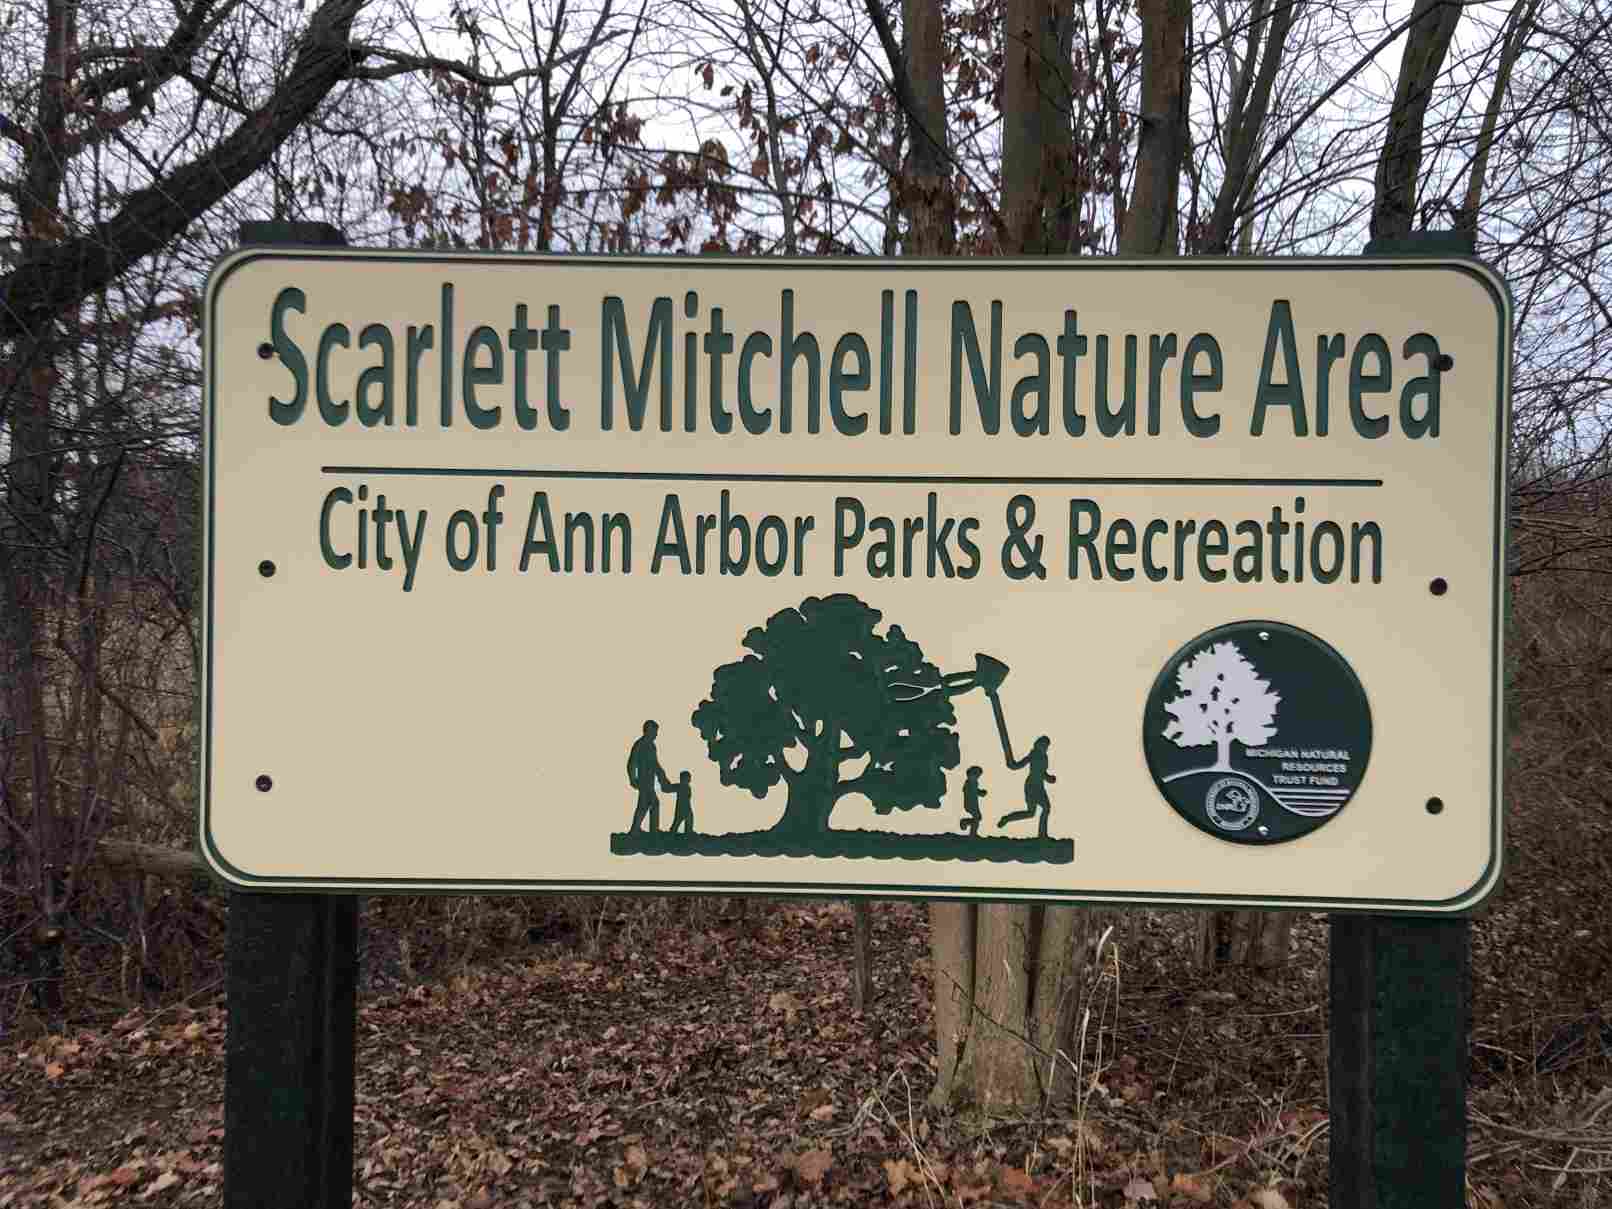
1155, 581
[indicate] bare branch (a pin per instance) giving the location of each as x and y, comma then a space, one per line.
12, 132
1247, 120
1521, 18
144, 69
63, 273
399, 62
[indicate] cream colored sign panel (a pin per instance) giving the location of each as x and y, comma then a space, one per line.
1151, 581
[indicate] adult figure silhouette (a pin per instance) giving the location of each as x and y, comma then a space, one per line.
644, 774
1035, 785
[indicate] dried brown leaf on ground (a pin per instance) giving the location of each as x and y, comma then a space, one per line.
813, 1165
1195, 1187
1139, 1190
1015, 1184
899, 1173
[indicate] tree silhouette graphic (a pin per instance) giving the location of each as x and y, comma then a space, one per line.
825, 704
1223, 697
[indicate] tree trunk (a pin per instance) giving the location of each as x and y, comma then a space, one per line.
1150, 218
951, 955
1007, 977
1426, 44
811, 799
861, 954
918, 72
1037, 150
28, 521
1000, 1069
1256, 940
1007, 985
926, 189
1148, 224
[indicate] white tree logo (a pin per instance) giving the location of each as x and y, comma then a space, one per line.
1223, 697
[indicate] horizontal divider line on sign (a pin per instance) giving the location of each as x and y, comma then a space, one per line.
669, 476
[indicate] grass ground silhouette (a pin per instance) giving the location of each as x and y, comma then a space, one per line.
873, 845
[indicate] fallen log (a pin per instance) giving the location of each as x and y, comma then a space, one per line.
155, 859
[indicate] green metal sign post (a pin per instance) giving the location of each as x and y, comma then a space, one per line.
291, 982
1397, 1060
288, 1061
1400, 992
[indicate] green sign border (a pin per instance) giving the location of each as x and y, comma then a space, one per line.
1488, 881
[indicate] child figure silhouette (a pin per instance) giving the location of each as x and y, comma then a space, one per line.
972, 793
683, 815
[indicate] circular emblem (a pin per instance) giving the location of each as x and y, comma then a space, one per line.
1232, 803
1257, 732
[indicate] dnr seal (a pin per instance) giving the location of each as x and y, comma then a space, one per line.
1257, 732
1232, 803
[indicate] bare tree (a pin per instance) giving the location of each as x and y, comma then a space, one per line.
124, 127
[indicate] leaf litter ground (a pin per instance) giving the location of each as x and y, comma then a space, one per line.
718, 1064
696, 1058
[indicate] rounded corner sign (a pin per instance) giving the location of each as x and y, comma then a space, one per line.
1168, 582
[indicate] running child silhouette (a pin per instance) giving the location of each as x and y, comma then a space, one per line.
1035, 786
972, 793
